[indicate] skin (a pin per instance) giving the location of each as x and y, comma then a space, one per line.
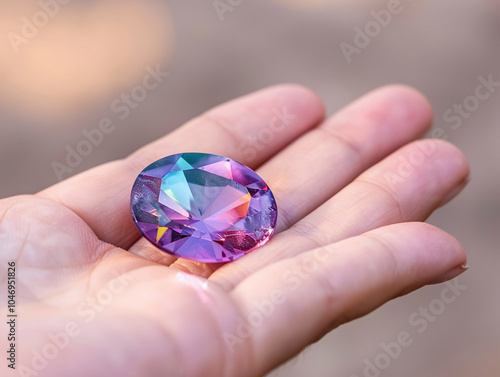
353, 191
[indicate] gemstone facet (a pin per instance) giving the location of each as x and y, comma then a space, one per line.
203, 207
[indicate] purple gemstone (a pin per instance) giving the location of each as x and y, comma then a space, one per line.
203, 207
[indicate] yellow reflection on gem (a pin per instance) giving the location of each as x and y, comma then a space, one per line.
161, 232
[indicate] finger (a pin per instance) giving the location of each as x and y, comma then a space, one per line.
241, 129
320, 163
320, 289
406, 186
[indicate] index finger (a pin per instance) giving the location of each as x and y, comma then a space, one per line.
249, 130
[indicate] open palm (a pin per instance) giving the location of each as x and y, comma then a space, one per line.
352, 190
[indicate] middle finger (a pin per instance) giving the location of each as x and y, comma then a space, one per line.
316, 166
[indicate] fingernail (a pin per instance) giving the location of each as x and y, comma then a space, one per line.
452, 274
457, 190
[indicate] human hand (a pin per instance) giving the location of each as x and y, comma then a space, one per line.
97, 300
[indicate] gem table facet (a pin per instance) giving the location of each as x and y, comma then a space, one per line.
203, 207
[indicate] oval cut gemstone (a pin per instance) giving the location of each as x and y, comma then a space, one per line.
203, 207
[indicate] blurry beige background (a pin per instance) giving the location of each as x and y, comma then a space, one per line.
68, 71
